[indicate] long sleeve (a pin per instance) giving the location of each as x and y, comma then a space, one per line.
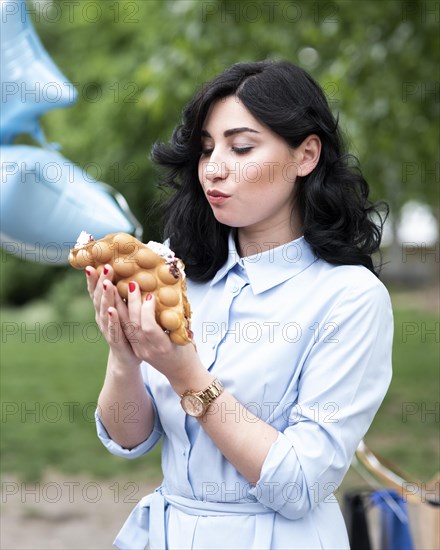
143, 447
341, 386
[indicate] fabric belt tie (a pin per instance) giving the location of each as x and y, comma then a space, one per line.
147, 522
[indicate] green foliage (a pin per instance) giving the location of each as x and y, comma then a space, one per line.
22, 281
136, 64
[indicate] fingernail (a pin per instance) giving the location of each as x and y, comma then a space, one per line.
106, 270
88, 272
148, 296
104, 284
131, 286
110, 313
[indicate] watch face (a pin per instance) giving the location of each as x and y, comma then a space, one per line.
192, 405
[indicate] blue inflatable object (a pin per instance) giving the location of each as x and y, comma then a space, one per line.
46, 201
31, 83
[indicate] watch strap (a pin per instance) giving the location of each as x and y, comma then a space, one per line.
213, 391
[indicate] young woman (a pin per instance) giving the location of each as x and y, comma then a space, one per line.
292, 325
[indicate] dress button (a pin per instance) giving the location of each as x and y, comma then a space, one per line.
234, 288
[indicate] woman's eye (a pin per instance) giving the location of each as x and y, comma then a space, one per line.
238, 150
241, 150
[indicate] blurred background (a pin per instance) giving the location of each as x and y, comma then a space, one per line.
135, 64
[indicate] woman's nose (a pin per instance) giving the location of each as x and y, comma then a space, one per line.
216, 168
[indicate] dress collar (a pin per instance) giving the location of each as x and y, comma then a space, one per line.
267, 269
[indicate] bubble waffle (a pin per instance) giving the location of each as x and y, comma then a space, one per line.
153, 266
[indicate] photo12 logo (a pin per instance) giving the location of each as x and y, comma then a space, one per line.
73, 10
320, 12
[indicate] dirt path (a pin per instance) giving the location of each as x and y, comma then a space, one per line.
66, 512
426, 299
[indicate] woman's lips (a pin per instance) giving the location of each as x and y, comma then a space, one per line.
216, 197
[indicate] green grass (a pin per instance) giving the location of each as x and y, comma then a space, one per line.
57, 373
406, 428
51, 375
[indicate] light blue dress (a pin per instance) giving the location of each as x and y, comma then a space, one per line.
305, 346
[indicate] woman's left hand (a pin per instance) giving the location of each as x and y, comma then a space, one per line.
180, 364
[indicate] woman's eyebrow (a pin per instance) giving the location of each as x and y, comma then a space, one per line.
231, 132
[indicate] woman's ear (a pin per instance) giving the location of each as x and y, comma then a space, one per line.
309, 153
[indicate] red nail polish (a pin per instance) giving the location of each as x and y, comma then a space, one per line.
131, 286
104, 285
110, 313
88, 272
148, 296
105, 270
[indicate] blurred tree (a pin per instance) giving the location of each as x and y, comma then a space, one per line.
135, 63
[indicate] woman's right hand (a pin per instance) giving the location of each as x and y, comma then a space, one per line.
111, 315
123, 388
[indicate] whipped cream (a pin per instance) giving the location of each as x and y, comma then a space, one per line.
168, 255
162, 250
83, 239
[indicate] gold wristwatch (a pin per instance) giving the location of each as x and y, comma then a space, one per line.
197, 403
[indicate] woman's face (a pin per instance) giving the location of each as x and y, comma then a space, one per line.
247, 171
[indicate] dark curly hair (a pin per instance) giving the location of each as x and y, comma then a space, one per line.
338, 221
